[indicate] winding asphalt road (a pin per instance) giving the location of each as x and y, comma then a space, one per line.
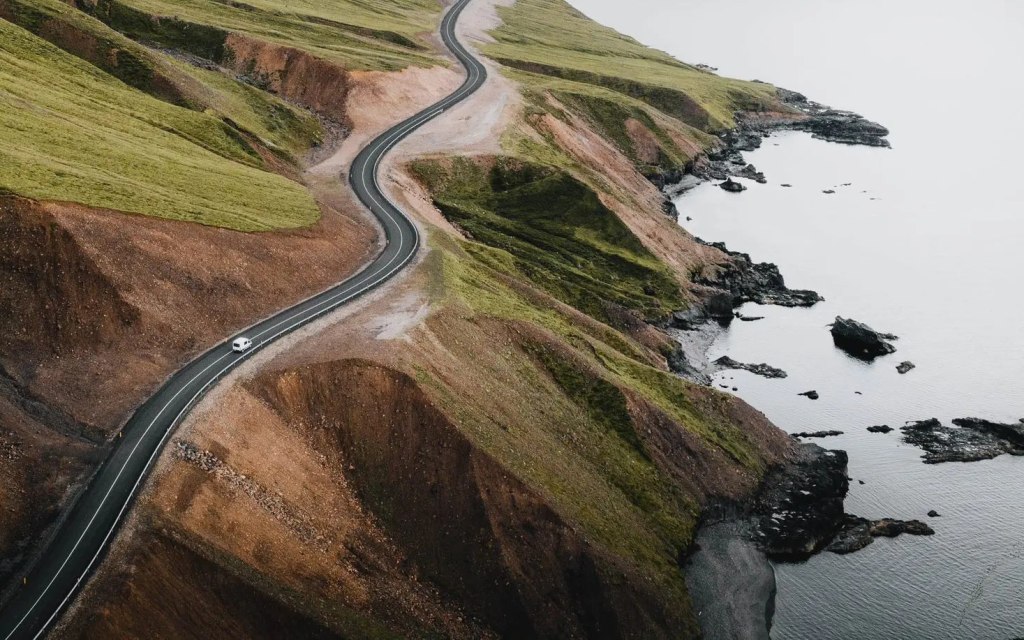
83, 537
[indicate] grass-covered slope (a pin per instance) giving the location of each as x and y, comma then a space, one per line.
557, 232
623, 450
70, 132
358, 34
276, 124
549, 37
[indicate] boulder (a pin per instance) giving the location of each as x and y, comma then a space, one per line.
859, 340
732, 186
880, 428
812, 394
751, 173
905, 366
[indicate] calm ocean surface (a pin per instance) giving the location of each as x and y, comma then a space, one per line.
925, 243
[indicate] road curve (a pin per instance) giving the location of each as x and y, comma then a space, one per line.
83, 537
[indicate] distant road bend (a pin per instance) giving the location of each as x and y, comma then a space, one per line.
81, 540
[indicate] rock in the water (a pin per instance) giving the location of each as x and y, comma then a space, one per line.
751, 173
857, 533
744, 318
905, 366
785, 184
933, 514
812, 394
880, 428
860, 340
828, 191
765, 370
817, 434
1012, 434
732, 186
975, 439
844, 127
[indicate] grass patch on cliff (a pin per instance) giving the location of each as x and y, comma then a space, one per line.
70, 132
358, 34
552, 38
556, 231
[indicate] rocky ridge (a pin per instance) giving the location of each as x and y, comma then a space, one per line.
974, 440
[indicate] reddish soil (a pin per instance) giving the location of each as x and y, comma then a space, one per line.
92, 319
197, 599
294, 75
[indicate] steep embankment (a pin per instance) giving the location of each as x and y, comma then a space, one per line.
495, 447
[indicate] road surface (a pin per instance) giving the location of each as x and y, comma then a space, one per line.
82, 539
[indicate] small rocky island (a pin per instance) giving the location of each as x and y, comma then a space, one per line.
970, 440
859, 340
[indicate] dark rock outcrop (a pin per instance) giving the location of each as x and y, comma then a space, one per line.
880, 428
812, 394
732, 186
859, 340
825, 123
905, 366
765, 370
1012, 434
975, 439
801, 508
857, 533
750, 281
817, 434
933, 514
751, 173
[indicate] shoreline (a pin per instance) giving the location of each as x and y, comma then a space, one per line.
726, 608
809, 492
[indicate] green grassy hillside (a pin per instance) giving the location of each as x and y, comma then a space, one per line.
549, 37
70, 132
275, 123
358, 34
557, 231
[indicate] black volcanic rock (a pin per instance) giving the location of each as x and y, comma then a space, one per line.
857, 533
732, 186
817, 434
750, 281
881, 428
905, 366
751, 173
812, 394
765, 370
844, 127
801, 508
1012, 434
974, 440
860, 340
